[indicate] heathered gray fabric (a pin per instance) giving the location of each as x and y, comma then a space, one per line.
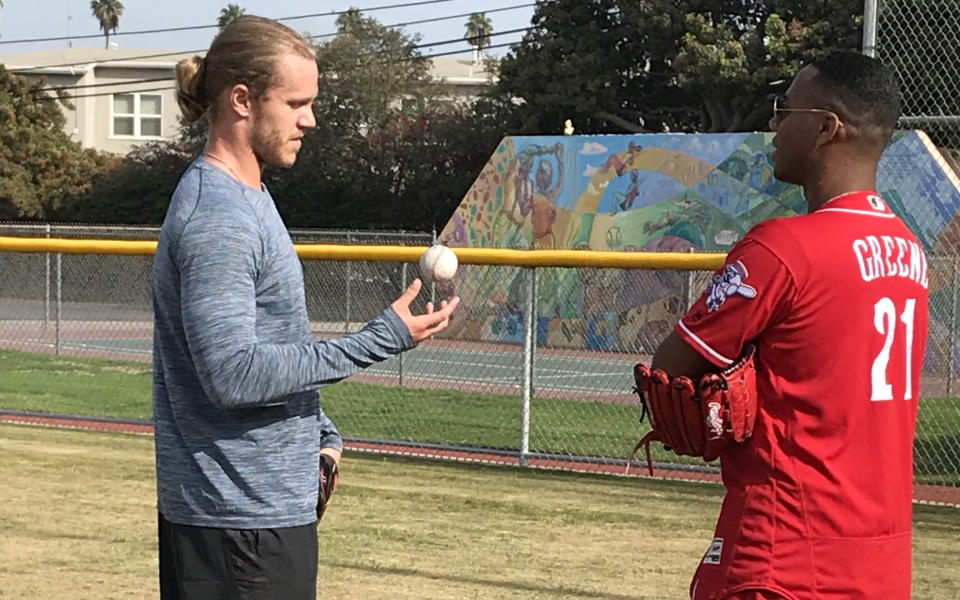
237, 415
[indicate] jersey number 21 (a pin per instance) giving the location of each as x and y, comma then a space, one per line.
885, 320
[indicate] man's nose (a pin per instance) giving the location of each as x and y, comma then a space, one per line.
307, 120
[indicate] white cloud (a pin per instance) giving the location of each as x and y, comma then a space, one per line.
589, 171
596, 188
592, 148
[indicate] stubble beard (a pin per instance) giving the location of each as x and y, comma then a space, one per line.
268, 146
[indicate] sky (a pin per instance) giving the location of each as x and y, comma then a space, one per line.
31, 19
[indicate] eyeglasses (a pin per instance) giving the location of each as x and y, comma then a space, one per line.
780, 113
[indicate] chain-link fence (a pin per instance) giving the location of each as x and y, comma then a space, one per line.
119, 286
562, 401
520, 375
937, 449
921, 41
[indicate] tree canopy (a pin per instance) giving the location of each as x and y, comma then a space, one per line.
228, 14
40, 166
390, 151
107, 13
367, 69
386, 152
478, 33
640, 65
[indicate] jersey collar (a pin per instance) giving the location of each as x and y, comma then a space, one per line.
860, 201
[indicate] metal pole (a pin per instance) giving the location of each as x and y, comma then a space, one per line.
529, 351
46, 296
870, 28
689, 292
403, 286
346, 322
59, 303
953, 328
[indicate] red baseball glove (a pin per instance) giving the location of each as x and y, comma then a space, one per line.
698, 420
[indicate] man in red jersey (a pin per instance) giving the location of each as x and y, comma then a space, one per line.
819, 500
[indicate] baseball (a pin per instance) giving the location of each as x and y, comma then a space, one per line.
438, 263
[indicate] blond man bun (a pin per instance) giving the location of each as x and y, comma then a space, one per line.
247, 51
190, 90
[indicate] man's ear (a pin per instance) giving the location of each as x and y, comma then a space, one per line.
832, 129
239, 100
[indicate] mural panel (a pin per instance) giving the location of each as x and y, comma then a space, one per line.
667, 192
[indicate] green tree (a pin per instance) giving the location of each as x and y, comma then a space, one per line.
41, 168
138, 190
108, 13
367, 164
228, 14
371, 162
734, 58
579, 63
368, 68
410, 173
637, 65
479, 30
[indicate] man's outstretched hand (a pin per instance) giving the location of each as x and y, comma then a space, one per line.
423, 326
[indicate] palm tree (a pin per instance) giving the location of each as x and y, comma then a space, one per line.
108, 12
479, 30
228, 14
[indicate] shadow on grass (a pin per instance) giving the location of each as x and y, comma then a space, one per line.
509, 585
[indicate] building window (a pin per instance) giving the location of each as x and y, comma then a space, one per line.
137, 115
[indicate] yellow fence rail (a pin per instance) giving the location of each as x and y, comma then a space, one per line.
345, 252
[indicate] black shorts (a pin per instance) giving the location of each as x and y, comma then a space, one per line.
205, 563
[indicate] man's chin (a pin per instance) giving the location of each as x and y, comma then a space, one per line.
782, 176
280, 162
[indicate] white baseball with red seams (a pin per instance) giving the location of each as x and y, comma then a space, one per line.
438, 263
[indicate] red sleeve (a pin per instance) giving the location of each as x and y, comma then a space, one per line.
752, 291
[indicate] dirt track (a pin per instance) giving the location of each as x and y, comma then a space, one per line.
927, 494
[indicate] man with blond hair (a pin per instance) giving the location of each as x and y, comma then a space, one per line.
240, 435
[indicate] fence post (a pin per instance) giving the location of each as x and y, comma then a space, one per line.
529, 352
689, 296
346, 322
953, 327
46, 296
403, 286
59, 303
870, 28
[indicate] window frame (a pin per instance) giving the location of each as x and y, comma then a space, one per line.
137, 116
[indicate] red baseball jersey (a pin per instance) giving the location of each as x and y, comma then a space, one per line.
819, 501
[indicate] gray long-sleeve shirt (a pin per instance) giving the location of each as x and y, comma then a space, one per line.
237, 416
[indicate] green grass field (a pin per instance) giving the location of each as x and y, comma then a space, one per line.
78, 511
123, 389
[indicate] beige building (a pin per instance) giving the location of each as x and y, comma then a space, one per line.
123, 98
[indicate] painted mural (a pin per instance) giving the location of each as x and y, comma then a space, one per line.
667, 192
